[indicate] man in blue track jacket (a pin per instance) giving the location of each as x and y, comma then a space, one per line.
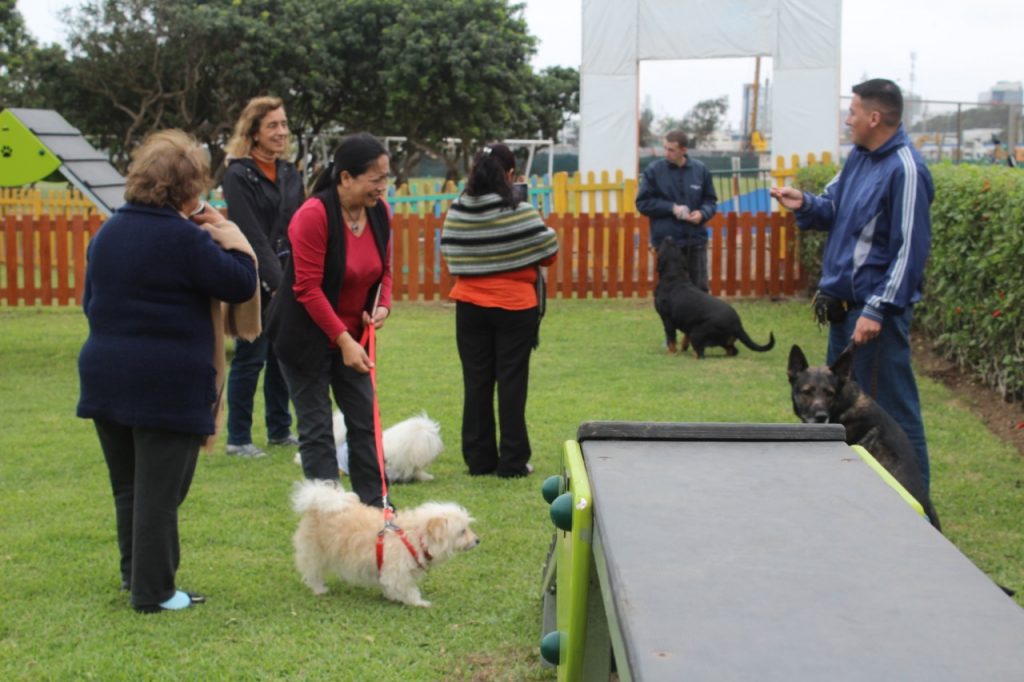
876, 211
677, 194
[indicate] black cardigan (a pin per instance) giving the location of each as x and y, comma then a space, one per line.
297, 339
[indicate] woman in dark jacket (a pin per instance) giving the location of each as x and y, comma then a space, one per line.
262, 191
337, 282
147, 369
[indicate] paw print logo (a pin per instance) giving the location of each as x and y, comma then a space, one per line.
6, 151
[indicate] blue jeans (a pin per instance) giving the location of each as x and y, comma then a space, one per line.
249, 360
882, 369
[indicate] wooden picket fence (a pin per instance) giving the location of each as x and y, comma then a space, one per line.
53, 201
42, 260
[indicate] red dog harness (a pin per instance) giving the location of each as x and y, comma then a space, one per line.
388, 526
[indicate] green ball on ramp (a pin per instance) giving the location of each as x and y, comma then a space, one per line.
561, 512
551, 647
552, 487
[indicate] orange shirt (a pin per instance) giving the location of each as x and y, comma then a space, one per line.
269, 169
512, 290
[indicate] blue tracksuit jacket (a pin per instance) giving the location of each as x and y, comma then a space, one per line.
876, 211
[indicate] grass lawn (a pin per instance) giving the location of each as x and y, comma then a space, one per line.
63, 616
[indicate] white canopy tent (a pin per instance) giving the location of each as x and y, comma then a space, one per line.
801, 37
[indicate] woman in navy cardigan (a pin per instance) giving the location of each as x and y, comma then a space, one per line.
147, 371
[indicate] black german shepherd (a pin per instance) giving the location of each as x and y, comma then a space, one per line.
703, 319
830, 395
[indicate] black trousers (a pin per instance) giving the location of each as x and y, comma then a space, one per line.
310, 390
494, 347
150, 474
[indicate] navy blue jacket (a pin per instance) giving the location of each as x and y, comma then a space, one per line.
664, 184
876, 211
148, 360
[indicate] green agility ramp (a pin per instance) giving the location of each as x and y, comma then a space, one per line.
36, 142
765, 552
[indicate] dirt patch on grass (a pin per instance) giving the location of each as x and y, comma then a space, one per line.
1005, 420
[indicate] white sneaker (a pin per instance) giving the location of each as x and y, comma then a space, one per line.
248, 451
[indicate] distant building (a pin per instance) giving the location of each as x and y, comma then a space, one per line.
1003, 92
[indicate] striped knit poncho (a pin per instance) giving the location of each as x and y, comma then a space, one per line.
483, 237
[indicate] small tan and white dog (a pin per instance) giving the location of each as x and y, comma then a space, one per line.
338, 534
410, 446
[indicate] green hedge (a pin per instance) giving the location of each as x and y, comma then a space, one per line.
974, 287
974, 281
813, 179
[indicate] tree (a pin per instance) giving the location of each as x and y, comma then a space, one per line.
425, 69
552, 100
334, 67
142, 65
16, 53
704, 119
645, 130
992, 116
456, 68
141, 62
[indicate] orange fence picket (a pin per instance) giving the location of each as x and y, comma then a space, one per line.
604, 255
43, 259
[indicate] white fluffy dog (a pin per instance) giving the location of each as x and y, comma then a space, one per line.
409, 447
339, 534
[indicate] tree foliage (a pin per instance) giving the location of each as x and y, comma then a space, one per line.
457, 69
647, 137
704, 119
992, 116
555, 97
17, 53
428, 70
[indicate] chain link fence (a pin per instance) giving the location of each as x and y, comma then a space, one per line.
961, 132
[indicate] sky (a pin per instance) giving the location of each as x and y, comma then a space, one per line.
962, 48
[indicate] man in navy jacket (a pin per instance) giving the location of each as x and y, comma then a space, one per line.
677, 194
876, 211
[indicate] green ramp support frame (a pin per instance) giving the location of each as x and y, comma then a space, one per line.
568, 582
888, 478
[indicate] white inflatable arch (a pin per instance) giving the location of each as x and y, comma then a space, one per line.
801, 37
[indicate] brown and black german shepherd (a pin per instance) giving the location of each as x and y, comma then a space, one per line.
830, 395
703, 319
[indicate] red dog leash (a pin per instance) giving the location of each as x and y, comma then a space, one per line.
370, 340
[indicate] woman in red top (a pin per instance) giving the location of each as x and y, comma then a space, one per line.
494, 243
337, 281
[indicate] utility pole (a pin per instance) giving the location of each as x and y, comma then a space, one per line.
755, 92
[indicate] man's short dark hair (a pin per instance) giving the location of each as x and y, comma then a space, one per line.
885, 97
677, 136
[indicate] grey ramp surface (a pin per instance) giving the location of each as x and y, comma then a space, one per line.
786, 561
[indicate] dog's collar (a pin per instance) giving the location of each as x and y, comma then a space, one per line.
408, 545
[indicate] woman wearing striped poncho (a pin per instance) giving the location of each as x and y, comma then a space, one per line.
494, 244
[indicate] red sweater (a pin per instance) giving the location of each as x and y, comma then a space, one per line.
308, 236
